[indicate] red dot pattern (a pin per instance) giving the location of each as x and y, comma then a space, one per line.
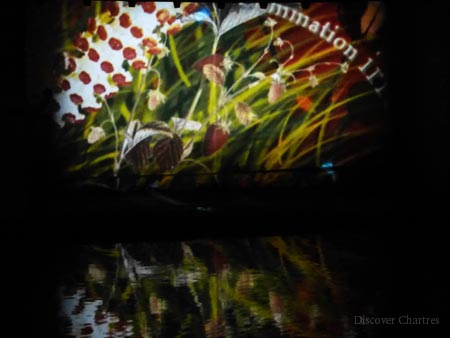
154, 50
65, 85
163, 16
112, 7
72, 65
77, 99
107, 67
99, 89
93, 55
125, 20
91, 109
84, 77
81, 43
138, 64
136, 32
68, 117
110, 95
171, 19
149, 42
115, 44
101, 32
129, 53
149, 7
91, 25
120, 80
190, 8
174, 29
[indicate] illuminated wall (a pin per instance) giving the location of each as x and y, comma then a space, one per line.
172, 97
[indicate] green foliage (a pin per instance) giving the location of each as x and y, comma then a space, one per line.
278, 133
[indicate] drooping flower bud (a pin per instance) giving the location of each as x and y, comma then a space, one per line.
215, 138
214, 74
278, 42
277, 88
155, 98
95, 134
270, 22
244, 113
313, 81
344, 67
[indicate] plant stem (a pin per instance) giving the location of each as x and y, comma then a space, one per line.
133, 111
310, 69
247, 73
141, 88
116, 135
200, 89
215, 44
196, 98
292, 52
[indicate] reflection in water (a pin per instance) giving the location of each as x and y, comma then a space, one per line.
266, 287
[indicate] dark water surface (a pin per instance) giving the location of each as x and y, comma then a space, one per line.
260, 287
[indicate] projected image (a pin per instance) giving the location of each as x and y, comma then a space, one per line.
167, 97
265, 287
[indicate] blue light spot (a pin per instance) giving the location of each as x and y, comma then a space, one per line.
202, 14
327, 165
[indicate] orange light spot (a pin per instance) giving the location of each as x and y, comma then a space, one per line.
304, 102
